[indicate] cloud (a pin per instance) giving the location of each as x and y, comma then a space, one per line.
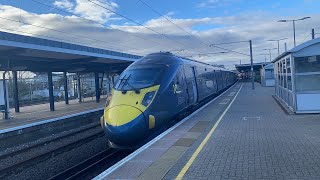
208, 3
256, 26
64, 4
215, 3
164, 26
88, 9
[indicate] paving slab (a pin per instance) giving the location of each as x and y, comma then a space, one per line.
256, 139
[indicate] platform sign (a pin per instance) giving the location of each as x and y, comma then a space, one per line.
2, 99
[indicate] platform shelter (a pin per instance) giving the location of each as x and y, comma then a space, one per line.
267, 75
297, 77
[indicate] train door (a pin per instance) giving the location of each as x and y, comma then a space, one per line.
190, 79
216, 80
222, 79
219, 75
195, 88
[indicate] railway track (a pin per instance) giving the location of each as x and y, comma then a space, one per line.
92, 166
47, 141
12, 139
93, 132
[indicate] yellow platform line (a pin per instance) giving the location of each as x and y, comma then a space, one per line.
204, 142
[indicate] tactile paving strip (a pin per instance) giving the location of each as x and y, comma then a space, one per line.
200, 126
185, 142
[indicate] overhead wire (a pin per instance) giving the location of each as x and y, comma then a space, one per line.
192, 35
306, 37
97, 40
206, 54
70, 13
232, 42
140, 24
55, 38
71, 34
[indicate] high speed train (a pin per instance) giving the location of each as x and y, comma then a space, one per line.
156, 90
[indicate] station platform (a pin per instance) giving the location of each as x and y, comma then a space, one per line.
41, 112
242, 134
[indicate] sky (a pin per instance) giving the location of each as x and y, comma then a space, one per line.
184, 27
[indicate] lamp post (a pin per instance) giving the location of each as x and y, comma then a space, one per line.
270, 51
278, 40
294, 26
251, 63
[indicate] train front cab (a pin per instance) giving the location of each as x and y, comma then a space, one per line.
126, 118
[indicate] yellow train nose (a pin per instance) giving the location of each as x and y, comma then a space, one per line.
125, 125
120, 115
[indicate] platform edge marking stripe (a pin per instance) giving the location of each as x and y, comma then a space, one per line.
138, 151
49, 121
205, 140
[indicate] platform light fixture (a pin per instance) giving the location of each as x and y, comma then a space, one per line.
270, 51
294, 26
278, 40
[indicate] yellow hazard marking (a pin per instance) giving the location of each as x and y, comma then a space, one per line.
204, 142
125, 107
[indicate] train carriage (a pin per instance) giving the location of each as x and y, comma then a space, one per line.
155, 91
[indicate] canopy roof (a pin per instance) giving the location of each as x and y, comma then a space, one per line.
25, 53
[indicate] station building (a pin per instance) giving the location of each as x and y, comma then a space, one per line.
297, 77
267, 75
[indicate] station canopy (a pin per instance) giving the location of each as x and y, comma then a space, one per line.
247, 67
25, 53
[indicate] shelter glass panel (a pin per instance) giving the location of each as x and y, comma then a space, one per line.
288, 65
289, 83
308, 83
284, 81
307, 64
284, 70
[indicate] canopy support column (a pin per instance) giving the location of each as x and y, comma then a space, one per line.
51, 97
66, 94
96, 80
79, 88
16, 91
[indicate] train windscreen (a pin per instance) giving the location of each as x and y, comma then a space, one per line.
138, 78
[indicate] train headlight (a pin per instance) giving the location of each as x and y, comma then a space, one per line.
148, 98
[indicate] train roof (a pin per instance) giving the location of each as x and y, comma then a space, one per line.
169, 58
